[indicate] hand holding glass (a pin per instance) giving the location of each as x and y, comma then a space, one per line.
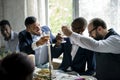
46, 36
44, 39
60, 37
61, 33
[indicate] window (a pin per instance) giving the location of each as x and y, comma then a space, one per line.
108, 10
59, 12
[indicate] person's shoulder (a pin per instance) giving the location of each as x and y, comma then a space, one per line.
114, 37
15, 35
45, 27
67, 40
23, 32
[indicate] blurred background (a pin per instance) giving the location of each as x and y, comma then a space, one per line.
56, 12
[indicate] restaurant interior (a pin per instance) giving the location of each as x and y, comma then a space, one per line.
54, 13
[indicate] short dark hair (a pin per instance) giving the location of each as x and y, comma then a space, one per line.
4, 22
79, 22
30, 20
98, 22
16, 66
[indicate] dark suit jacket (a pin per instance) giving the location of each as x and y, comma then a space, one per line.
79, 62
25, 40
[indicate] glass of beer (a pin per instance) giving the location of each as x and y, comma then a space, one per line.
46, 35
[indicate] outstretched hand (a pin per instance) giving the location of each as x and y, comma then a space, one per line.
66, 30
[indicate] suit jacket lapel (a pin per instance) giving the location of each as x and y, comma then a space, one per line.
29, 40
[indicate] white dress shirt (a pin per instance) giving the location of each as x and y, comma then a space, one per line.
74, 49
12, 44
41, 52
73, 52
111, 44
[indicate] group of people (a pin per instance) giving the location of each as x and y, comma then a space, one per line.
100, 53
105, 44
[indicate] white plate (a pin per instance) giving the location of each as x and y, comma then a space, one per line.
88, 77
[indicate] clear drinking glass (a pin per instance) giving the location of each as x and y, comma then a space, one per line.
46, 34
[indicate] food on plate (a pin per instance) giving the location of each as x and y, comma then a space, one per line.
43, 74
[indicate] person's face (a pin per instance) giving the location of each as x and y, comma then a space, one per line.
94, 32
6, 32
34, 29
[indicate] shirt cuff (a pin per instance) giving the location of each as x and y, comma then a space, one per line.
34, 46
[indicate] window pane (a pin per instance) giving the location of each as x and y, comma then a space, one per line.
108, 10
59, 12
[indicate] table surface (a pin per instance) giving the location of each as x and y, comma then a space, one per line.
60, 75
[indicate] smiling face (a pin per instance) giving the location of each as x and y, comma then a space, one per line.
32, 25
34, 29
6, 31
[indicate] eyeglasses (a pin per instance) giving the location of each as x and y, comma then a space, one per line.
90, 32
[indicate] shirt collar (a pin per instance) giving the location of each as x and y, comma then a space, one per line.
111, 32
32, 35
12, 35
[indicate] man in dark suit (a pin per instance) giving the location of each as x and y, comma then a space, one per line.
75, 57
33, 41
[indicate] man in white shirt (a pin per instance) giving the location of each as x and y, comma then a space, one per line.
10, 37
32, 41
106, 46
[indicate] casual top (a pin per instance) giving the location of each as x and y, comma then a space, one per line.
12, 44
111, 44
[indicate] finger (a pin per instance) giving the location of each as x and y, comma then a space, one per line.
59, 34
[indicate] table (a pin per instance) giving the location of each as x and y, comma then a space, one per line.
60, 75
